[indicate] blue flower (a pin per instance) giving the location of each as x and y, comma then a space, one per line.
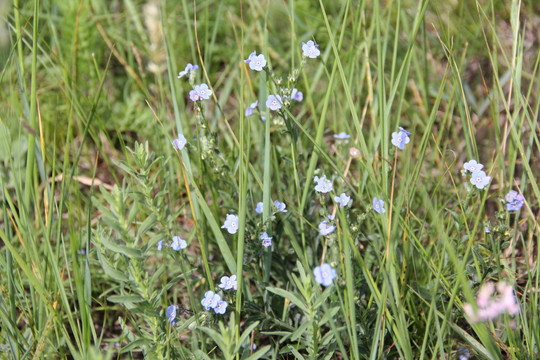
250, 108
210, 300
159, 245
256, 62
324, 274
280, 206
178, 243
228, 283
180, 142
325, 229
310, 49
403, 130
231, 224
514, 201
171, 314
274, 102
378, 205
400, 139
480, 179
463, 353
343, 199
297, 95
266, 240
487, 230
189, 68
194, 96
323, 185
203, 91
221, 307
342, 136
259, 208
473, 166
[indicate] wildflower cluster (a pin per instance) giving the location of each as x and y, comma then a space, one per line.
478, 177
490, 307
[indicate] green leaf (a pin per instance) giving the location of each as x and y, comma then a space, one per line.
121, 249
289, 295
259, 353
122, 299
109, 269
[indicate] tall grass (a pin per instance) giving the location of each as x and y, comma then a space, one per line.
91, 182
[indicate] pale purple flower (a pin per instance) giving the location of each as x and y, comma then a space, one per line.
171, 314
178, 243
378, 205
256, 62
266, 240
480, 179
473, 166
194, 96
489, 306
203, 91
297, 95
250, 108
280, 206
259, 208
210, 300
343, 200
325, 229
514, 200
400, 139
310, 49
324, 274
342, 136
189, 68
228, 283
403, 130
159, 245
180, 142
323, 184
221, 305
274, 102
231, 224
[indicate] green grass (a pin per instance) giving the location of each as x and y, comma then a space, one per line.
90, 181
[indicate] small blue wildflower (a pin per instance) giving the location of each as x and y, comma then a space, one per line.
203, 91
324, 274
323, 185
171, 314
463, 353
310, 49
342, 136
480, 179
297, 95
274, 102
250, 108
473, 166
256, 62
210, 300
343, 200
280, 206
400, 139
263, 118
487, 230
178, 243
514, 201
180, 142
378, 205
228, 283
194, 96
221, 307
259, 208
325, 229
81, 252
189, 68
266, 240
231, 224
159, 245
403, 130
